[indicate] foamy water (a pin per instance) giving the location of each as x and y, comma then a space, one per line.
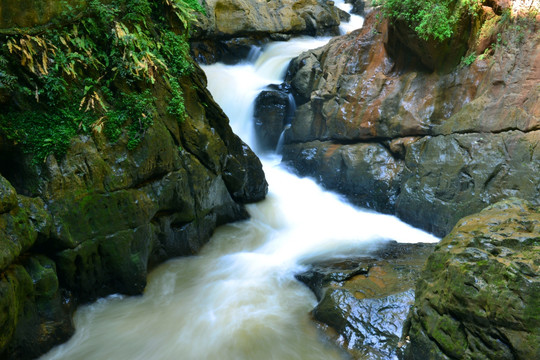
238, 299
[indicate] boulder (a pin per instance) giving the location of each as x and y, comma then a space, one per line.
273, 110
367, 173
35, 311
8, 196
364, 301
21, 227
449, 177
116, 212
478, 293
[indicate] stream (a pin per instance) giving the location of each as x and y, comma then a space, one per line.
238, 298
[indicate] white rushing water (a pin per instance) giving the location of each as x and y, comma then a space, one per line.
238, 299
355, 22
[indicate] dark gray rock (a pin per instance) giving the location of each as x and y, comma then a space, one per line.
274, 109
367, 173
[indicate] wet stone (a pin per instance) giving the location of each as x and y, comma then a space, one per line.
364, 300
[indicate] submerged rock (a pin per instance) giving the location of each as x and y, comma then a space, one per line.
478, 296
364, 301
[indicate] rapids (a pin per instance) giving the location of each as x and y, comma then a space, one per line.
239, 299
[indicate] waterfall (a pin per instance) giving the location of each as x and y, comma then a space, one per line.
238, 299
355, 21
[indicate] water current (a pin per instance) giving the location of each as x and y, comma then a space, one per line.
238, 299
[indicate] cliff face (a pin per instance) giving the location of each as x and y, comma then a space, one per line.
94, 221
429, 146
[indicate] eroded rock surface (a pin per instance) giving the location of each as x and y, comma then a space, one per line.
428, 146
478, 296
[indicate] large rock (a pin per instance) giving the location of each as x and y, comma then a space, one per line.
364, 301
448, 177
96, 221
35, 313
367, 173
478, 296
115, 212
273, 110
34, 310
8, 196
448, 143
230, 27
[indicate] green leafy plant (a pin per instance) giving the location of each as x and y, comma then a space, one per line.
433, 19
92, 72
468, 60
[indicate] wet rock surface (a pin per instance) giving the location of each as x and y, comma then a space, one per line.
230, 27
364, 301
446, 144
33, 307
478, 296
96, 221
274, 109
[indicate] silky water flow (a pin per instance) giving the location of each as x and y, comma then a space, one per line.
238, 298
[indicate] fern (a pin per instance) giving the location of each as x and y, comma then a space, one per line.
66, 78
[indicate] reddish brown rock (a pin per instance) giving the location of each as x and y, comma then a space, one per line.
354, 91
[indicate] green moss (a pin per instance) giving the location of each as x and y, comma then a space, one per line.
16, 227
447, 333
93, 73
15, 287
42, 270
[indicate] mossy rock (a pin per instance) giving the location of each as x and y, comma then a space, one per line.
107, 264
478, 294
30, 13
8, 196
17, 234
78, 218
34, 314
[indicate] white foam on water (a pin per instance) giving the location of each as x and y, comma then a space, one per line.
238, 299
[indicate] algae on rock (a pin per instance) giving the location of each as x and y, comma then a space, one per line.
478, 293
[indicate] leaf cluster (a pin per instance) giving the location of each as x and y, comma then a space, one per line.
93, 73
430, 19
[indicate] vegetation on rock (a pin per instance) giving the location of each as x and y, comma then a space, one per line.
90, 71
429, 18
478, 293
